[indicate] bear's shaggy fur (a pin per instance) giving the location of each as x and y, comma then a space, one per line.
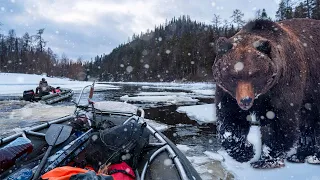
273, 70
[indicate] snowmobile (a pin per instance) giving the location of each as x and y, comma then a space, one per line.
63, 141
56, 95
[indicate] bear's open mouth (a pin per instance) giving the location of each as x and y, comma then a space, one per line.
245, 95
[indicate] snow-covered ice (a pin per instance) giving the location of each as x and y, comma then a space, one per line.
173, 99
158, 126
162, 94
169, 85
183, 148
113, 106
207, 92
15, 83
201, 113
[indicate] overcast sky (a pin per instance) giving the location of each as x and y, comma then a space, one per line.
86, 28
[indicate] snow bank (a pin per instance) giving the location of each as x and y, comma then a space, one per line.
16, 83
201, 113
159, 99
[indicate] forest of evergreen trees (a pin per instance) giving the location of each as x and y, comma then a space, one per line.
28, 54
179, 50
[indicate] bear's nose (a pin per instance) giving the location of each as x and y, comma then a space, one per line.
246, 101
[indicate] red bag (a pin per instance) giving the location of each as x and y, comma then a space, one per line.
121, 171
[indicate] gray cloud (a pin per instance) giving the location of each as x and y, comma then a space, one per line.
84, 28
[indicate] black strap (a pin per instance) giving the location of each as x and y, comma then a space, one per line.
113, 171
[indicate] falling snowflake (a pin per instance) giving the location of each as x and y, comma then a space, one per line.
270, 115
145, 52
167, 162
213, 4
307, 106
210, 141
192, 62
3, 9
160, 39
94, 137
238, 66
168, 51
305, 44
129, 69
189, 54
146, 66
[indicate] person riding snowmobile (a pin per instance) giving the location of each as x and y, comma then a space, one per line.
43, 88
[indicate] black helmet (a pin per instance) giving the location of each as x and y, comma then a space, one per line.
43, 79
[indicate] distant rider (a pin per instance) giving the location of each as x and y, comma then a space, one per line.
43, 88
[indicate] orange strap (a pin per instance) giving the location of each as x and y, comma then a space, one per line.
63, 173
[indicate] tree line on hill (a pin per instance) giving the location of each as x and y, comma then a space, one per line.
29, 54
178, 50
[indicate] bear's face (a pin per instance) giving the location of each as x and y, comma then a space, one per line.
244, 67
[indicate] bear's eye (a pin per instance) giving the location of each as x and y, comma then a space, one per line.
263, 46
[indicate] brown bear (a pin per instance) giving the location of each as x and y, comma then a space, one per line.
271, 69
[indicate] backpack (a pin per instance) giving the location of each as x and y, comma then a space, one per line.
122, 143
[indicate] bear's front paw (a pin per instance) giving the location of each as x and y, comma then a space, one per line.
240, 151
295, 158
268, 164
315, 159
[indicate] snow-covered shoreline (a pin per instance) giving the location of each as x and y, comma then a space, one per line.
13, 84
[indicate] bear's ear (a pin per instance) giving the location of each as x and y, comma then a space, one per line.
261, 24
223, 45
263, 46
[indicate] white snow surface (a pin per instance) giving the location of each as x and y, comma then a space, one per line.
16, 83
173, 99
201, 113
183, 148
161, 94
206, 92
243, 171
114, 106
156, 125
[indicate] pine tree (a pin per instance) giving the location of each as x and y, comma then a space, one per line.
300, 11
315, 9
284, 10
237, 18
